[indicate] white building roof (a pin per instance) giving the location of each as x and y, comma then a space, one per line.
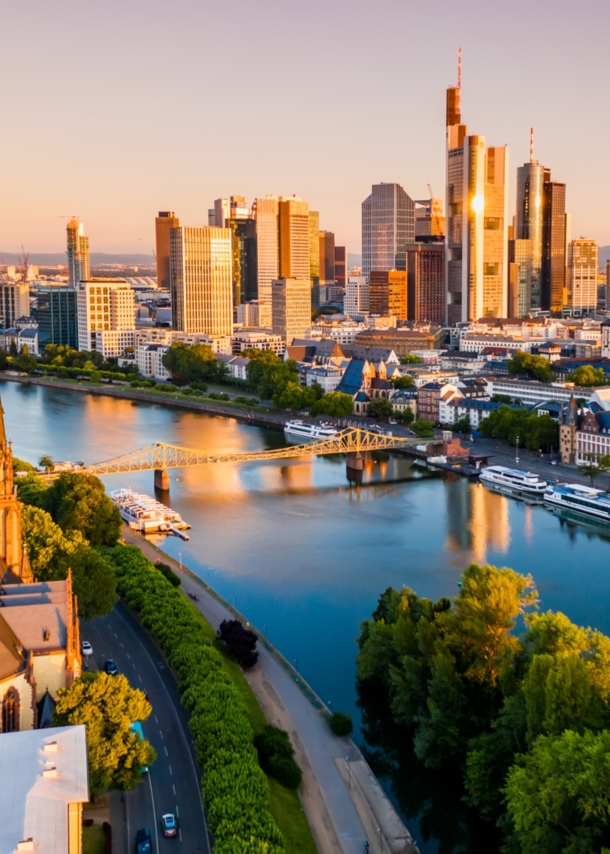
35, 804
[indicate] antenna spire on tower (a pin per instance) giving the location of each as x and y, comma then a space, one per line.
459, 81
531, 145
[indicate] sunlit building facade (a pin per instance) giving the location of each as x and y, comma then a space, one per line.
314, 257
529, 225
163, 225
583, 257
104, 305
555, 240
388, 224
388, 293
79, 267
291, 308
266, 212
426, 282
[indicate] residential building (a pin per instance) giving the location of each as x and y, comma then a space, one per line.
326, 376
404, 398
161, 335
457, 408
291, 308
429, 220
388, 224
554, 236
14, 301
267, 252
340, 267
592, 437
402, 341
607, 291
477, 222
149, 359
163, 226
583, 256
103, 305
429, 397
79, 267
531, 392
115, 343
235, 365
357, 296
388, 293
201, 280
338, 329
261, 339
41, 808
56, 315
605, 328
314, 257
426, 282
20, 336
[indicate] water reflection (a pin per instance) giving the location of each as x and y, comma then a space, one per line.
477, 520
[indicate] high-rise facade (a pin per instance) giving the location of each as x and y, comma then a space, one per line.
388, 293
244, 259
529, 224
340, 267
163, 225
476, 223
356, 296
388, 224
607, 293
294, 238
79, 267
327, 259
56, 315
554, 244
201, 280
426, 282
520, 278
429, 219
14, 302
103, 305
314, 257
583, 258
291, 308
266, 212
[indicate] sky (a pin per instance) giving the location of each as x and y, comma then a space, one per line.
116, 109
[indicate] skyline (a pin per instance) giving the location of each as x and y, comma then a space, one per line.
344, 118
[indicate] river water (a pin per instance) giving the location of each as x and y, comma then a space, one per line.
302, 553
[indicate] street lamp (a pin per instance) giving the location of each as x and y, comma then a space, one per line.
517, 451
349, 772
180, 556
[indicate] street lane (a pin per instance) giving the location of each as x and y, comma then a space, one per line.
172, 783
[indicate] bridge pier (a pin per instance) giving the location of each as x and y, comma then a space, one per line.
161, 480
355, 461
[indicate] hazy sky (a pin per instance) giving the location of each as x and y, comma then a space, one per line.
115, 109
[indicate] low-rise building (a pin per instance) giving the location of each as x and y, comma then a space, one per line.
530, 392
326, 376
149, 359
457, 408
404, 398
402, 340
429, 397
20, 337
256, 338
235, 365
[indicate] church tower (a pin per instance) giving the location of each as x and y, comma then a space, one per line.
12, 560
567, 433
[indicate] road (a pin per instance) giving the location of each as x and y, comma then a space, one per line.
172, 784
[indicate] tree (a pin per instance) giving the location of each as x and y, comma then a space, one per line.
3, 360
411, 359
13, 348
78, 502
335, 403
260, 360
341, 723
502, 398
93, 582
46, 462
380, 407
590, 468
32, 489
403, 382
534, 366
462, 425
240, 642
422, 427
276, 377
294, 396
108, 706
587, 376
186, 363
22, 465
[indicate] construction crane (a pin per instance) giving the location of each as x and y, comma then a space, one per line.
433, 213
24, 263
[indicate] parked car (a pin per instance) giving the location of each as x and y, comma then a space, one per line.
111, 668
143, 843
169, 825
86, 648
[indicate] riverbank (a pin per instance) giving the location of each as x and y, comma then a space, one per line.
341, 815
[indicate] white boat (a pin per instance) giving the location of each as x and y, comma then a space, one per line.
515, 480
310, 431
146, 515
580, 499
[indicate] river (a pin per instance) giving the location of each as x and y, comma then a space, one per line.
300, 552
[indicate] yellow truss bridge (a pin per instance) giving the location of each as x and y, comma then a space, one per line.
160, 456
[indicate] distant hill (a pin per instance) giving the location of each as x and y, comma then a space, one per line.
604, 255
52, 259
354, 260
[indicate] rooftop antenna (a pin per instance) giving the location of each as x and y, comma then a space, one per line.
459, 82
531, 145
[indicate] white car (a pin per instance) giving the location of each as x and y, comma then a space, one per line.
86, 648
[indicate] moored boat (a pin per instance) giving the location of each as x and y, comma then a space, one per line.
515, 480
579, 499
309, 431
145, 514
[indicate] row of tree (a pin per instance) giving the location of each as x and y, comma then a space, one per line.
533, 431
524, 720
539, 368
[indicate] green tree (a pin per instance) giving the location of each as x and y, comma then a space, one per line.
13, 348
46, 462
78, 502
196, 363
406, 416
107, 706
276, 376
533, 366
32, 489
411, 359
589, 469
292, 395
422, 427
403, 382
260, 360
380, 407
3, 360
335, 403
94, 582
587, 376
462, 425
22, 465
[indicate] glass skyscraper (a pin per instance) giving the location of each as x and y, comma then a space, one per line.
529, 225
388, 224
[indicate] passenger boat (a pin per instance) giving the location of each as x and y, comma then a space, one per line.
514, 480
309, 431
146, 515
580, 499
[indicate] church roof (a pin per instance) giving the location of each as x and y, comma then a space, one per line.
351, 382
12, 657
37, 614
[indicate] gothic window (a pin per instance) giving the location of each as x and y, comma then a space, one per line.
10, 711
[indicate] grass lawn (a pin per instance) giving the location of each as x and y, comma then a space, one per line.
94, 841
284, 804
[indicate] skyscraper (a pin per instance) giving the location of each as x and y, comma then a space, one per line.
340, 267
583, 255
529, 225
78, 253
201, 280
291, 308
327, 259
102, 306
267, 249
294, 238
429, 219
477, 221
57, 316
426, 282
314, 257
388, 224
388, 293
554, 244
356, 296
163, 225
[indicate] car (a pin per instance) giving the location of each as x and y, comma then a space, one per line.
111, 668
86, 648
169, 825
554, 462
143, 843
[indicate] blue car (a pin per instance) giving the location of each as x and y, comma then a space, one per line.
111, 668
143, 843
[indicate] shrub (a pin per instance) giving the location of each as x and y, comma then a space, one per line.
240, 642
341, 723
186, 390
169, 573
276, 756
235, 789
200, 386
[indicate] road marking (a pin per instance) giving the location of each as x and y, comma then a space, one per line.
166, 753
115, 634
170, 771
177, 812
139, 677
122, 644
152, 797
174, 787
156, 719
128, 656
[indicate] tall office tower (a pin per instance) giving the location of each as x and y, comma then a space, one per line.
294, 238
163, 225
244, 260
238, 208
314, 257
340, 267
291, 308
267, 248
57, 316
327, 259
426, 282
388, 224
608, 285
429, 220
583, 257
201, 280
554, 244
520, 278
356, 296
529, 223
14, 302
476, 265
222, 213
103, 305
79, 267
388, 293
